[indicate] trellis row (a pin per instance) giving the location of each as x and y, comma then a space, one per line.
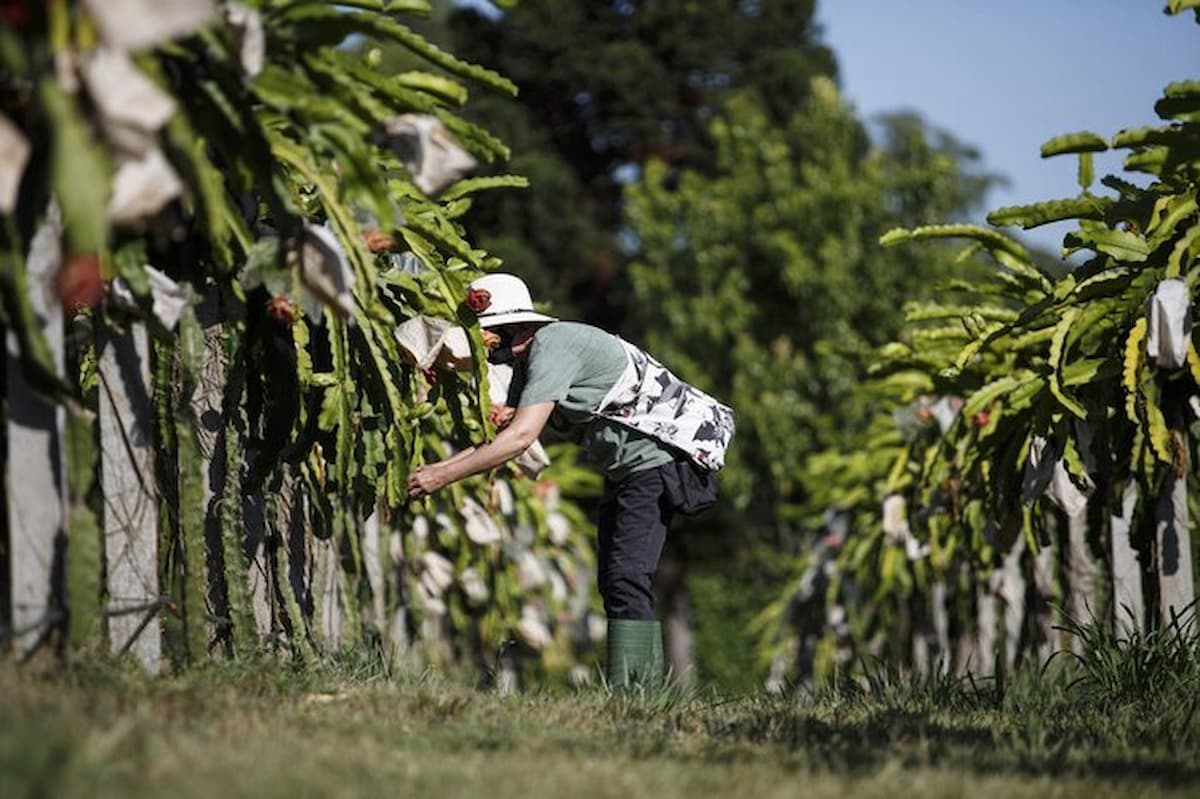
292, 584
1007, 629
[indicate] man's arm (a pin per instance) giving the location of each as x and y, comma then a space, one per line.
458, 456
510, 442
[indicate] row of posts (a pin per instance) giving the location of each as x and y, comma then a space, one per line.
1069, 573
39, 499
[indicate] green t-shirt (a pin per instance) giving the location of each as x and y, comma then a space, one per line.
575, 366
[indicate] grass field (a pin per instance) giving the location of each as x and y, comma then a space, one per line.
246, 728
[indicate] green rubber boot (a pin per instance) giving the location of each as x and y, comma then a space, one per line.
657, 659
631, 654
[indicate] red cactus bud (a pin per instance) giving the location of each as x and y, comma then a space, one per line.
281, 309
80, 283
478, 300
15, 13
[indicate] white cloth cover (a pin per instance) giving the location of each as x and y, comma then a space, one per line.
531, 572
438, 573
945, 411
897, 529
136, 24
249, 36
324, 270
533, 460
132, 108
478, 524
428, 150
532, 629
473, 585
1046, 474
429, 340
1169, 324
168, 298
14, 155
141, 187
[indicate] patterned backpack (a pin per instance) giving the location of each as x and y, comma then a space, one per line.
650, 399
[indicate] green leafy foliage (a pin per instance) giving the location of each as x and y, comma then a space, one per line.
762, 283
760, 280
1032, 364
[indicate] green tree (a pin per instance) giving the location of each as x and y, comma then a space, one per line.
604, 87
762, 283
760, 280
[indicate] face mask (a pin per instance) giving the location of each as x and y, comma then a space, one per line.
502, 353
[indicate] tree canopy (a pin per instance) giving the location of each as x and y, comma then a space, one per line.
761, 279
604, 88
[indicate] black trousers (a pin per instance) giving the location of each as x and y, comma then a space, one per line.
634, 516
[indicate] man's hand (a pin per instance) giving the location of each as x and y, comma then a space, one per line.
378, 241
501, 415
518, 434
425, 480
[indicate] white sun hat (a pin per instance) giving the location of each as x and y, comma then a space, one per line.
502, 299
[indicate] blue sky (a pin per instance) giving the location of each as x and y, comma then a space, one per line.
1006, 76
